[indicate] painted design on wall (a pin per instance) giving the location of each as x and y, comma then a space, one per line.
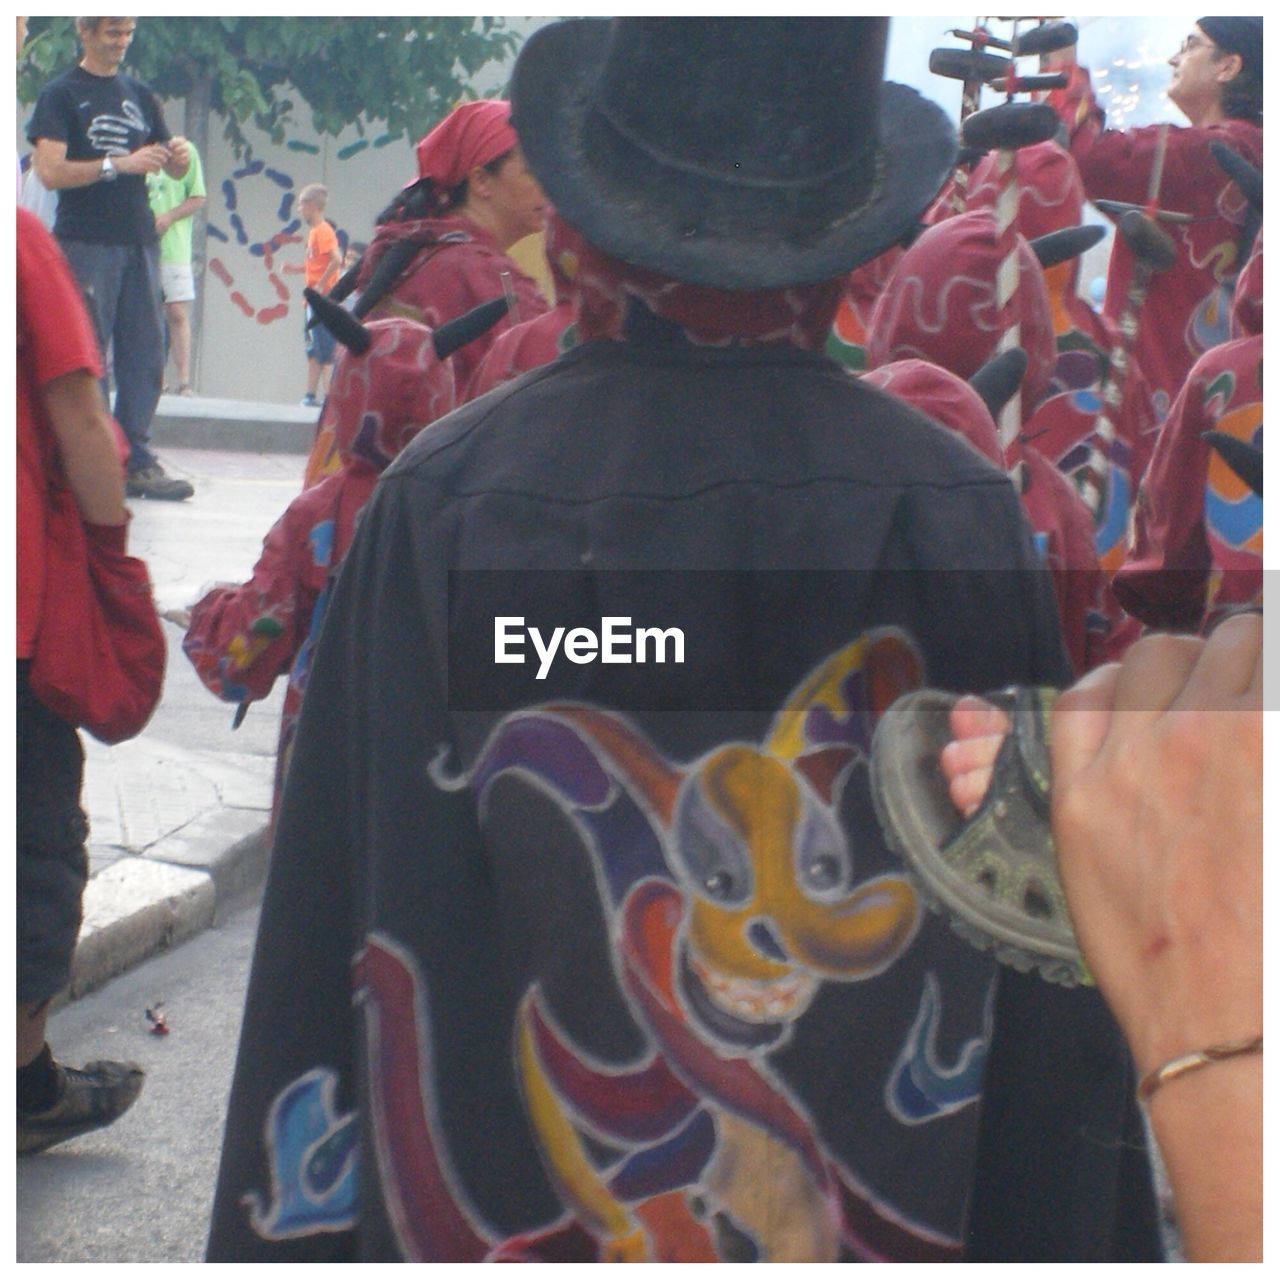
732, 897
265, 297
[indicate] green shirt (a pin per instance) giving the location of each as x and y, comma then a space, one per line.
167, 193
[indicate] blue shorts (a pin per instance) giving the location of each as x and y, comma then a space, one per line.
321, 344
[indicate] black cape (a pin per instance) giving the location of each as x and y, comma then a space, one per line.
614, 962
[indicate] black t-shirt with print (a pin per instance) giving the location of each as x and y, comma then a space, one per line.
96, 116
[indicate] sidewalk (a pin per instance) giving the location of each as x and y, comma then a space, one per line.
178, 815
176, 836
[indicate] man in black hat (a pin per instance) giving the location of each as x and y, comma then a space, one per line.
1217, 85
578, 813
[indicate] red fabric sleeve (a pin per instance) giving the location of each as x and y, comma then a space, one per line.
1162, 582
241, 638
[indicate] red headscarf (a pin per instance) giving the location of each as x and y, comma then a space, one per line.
949, 400
472, 134
800, 316
941, 305
1050, 192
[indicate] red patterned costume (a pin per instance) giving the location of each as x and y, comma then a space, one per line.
241, 638
1064, 423
1198, 529
1187, 309
941, 306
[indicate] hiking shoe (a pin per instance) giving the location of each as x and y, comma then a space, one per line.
91, 1099
995, 874
151, 482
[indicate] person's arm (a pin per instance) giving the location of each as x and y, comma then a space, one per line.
1157, 817
240, 638
179, 211
1157, 821
58, 173
86, 446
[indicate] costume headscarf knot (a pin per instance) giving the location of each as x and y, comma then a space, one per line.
472, 134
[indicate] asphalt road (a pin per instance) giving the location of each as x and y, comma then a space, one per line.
141, 1190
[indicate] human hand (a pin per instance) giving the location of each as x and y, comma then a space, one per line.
180, 152
148, 159
1157, 817
163, 222
968, 761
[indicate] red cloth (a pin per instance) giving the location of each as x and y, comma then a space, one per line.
55, 337
940, 306
950, 401
458, 267
1064, 537
536, 342
1187, 307
862, 289
1246, 310
1198, 529
800, 316
1051, 197
241, 638
472, 134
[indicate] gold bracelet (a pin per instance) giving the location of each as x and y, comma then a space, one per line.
1192, 1061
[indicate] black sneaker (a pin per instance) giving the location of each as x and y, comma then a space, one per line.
91, 1099
151, 482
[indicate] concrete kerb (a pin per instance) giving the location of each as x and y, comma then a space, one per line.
144, 904
203, 422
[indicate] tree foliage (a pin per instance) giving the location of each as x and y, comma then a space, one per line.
406, 72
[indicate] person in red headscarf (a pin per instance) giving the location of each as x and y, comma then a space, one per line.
940, 306
1217, 85
1065, 423
473, 199
240, 638
440, 247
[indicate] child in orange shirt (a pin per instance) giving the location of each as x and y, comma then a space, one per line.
321, 267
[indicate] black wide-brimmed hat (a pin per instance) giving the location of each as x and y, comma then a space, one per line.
743, 153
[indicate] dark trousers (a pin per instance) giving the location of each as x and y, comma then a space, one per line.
121, 283
53, 864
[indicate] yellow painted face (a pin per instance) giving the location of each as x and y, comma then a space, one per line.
774, 906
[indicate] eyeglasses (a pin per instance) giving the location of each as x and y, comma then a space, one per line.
1192, 43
